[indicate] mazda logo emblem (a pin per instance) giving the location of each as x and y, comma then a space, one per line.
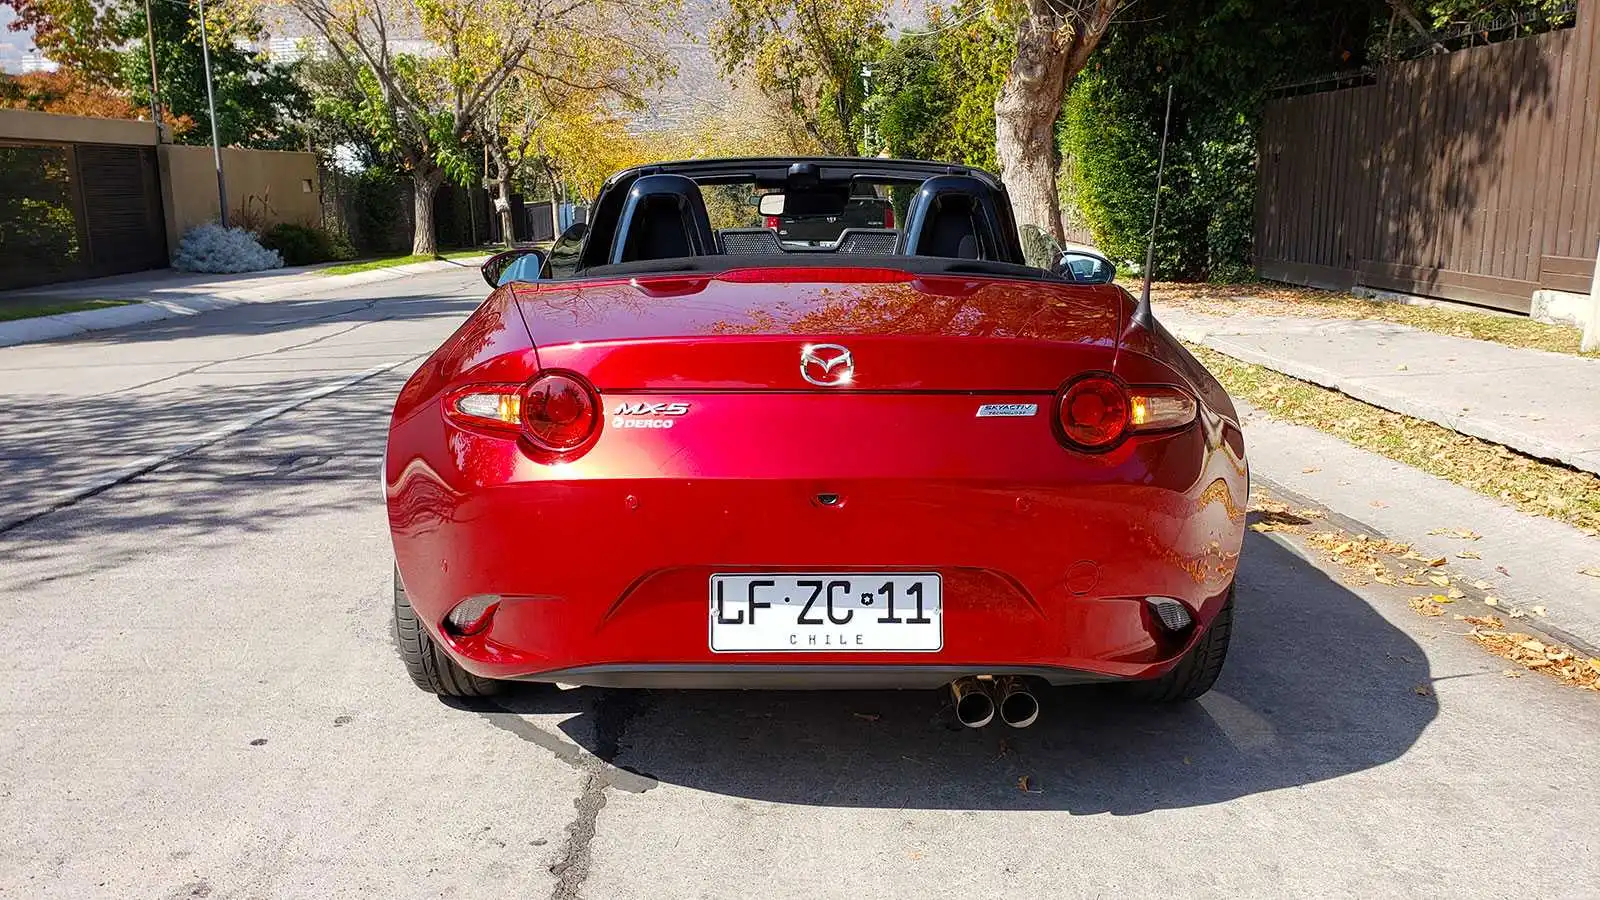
827, 365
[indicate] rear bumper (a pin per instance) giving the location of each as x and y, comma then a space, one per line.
603, 580
794, 677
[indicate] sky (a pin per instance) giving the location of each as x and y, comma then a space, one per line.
697, 72
14, 47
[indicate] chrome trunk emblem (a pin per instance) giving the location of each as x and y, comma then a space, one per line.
827, 365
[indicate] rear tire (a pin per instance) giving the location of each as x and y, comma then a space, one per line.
429, 666
1199, 668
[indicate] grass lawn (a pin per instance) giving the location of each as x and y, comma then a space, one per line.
1272, 299
387, 262
1532, 485
31, 307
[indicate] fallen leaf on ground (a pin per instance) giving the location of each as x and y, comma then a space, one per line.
1481, 585
1465, 534
1469, 554
1455, 593
1539, 611
1592, 573
1422, 690
1425, 606
1501, 570
1437, 561
1025, 785
1491, 601
1484, 621
1440, 580
1309, 469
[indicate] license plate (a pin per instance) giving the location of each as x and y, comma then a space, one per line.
819, 613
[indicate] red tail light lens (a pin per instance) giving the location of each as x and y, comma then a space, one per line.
772, 222
1094, 412
888, 218
559, 411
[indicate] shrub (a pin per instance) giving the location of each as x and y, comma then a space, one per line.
212, 248
1111, 136
302, 245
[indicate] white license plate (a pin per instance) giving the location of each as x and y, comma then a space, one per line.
827, 613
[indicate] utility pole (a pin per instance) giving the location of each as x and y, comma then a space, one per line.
1591, 330
155, 81
211, 104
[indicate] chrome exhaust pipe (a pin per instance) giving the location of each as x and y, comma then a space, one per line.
1018, 707
974, 706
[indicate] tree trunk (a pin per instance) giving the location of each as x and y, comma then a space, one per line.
508, 225
502, 203
425, 181
1053, 45
555, 205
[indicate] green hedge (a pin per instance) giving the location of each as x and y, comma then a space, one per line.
304, 245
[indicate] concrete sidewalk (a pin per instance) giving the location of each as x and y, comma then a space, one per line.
165, 293
1543, 404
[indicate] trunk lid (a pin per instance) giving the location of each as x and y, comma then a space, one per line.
803, 329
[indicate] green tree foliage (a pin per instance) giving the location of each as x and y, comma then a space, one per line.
809, 55
1221, 56
103, 46
933, 90
258, 101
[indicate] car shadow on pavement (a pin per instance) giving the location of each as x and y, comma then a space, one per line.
1317, 685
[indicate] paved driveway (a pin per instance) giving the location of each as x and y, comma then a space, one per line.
203, 698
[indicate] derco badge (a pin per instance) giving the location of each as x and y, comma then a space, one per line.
648, 415
1007, 410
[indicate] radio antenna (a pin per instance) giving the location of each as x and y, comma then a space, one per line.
1141, 312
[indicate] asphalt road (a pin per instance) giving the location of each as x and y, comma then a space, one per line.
203, 698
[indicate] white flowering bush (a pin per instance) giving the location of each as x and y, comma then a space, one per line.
212, 248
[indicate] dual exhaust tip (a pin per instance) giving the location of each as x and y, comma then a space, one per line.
979, 700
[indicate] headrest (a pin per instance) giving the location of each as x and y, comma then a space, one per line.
952, 216
663, 217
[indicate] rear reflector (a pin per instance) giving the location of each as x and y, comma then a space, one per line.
1174, 616
472, 615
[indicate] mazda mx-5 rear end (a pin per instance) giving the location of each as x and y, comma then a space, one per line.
814, 477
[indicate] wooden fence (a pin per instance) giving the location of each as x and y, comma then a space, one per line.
1470, 176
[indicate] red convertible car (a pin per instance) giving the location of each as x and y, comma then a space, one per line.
677, 451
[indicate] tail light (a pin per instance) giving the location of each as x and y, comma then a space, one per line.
1096, 411
555, 411
888, 218
559, 411
772, 222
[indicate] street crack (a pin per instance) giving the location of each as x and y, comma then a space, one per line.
613, 712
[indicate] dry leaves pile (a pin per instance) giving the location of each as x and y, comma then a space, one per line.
1531, 653
1367, 559
1531, 485
1268, 299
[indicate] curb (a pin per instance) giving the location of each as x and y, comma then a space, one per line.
173, 302
1394, 402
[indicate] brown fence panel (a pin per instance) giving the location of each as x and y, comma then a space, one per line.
1470, 176
78, 211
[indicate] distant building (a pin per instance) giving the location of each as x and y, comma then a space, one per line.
33, 62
